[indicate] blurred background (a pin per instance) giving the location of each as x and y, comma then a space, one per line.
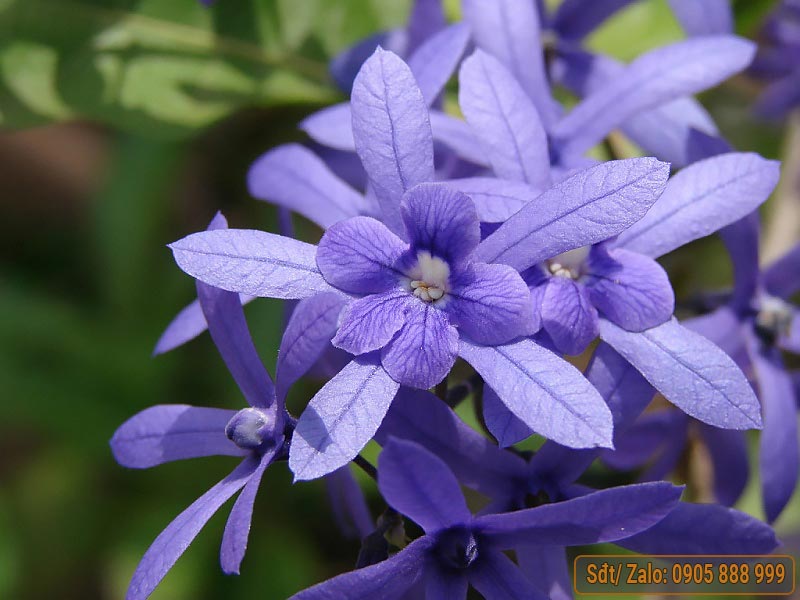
125, 126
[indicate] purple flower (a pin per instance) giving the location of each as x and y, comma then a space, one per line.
459, 550
259, 434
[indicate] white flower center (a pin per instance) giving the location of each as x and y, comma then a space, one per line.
569, 264
429, 280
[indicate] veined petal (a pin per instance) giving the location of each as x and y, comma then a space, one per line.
701, 199
341, 418
435, 60
170, 432
725, 531
690, 371
359, 255
654, 78
237, 527
495, 200
505, 120
387, 580
604, 516
424, 350
173, 541
392, 131
477, 462
497, 578
629, 289
568, 315
490, 303
589, 207
251, 262
547, 393
510, 31
307, 335
418, 484
371, 322
441, 221
294, 177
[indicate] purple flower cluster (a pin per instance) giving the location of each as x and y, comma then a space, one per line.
495, 239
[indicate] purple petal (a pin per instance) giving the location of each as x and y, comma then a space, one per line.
568, 315
701, 199
724, 329
503, 424
443, 585
387, 580
332, 127
630, 290
424, 351
495, 200
636, 446
426, 20
782, 278
173, 541
589, 207
358, 256
490, 303
237, 528
435, 60
418, 484
741, 240
392, 131
226, 323
654, 78
340, 419
510, 31
778, 457
349, 505
704, 18
690, 371
780, 97
251, 262
345, 66
441, 221
724, 531
547, 568
294, 177
458, 136
710, 17
575, 19
604, 516
505, 121
729, 455
477, 462
371, 322
545, 392
170, 432
307, 336
497, 578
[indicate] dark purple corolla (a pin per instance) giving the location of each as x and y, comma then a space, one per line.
260, 434
460, 550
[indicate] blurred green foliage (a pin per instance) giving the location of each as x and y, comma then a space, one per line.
181, 99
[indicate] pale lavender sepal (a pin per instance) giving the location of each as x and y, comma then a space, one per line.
701, 199
392, 131
690, 371
251, 262
168, 432
332, 127
237, 527
589, 207
427, 18
495, 200
436, 59
545, 392
503, 424
419, 485
424, 350
654, 78
505, 121
458, 136
307, 336
293, 177
341, 418
782, 277
175, 539
707, 17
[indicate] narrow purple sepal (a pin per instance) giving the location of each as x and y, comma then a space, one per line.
434, 61
497, 578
